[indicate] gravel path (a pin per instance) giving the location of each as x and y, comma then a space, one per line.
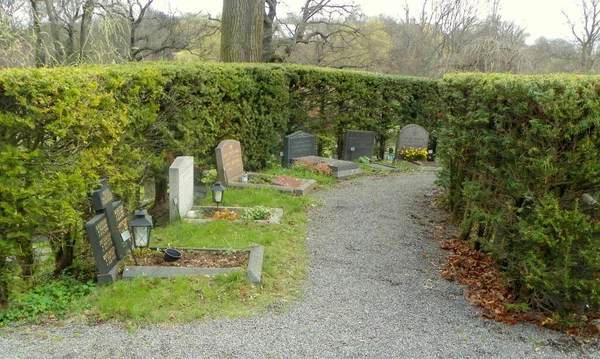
373, 292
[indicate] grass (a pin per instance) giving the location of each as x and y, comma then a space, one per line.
144, 301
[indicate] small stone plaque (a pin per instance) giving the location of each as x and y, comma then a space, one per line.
413, 136
103, 248
229, 161
358, 144
298, 144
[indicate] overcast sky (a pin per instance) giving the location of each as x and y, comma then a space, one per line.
539, 17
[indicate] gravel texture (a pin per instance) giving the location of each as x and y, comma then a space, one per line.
373, 292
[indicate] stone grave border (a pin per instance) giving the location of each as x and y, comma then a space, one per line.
305, 187
253, 271
340, 169
275, 218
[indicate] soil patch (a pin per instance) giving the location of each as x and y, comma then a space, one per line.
195, 259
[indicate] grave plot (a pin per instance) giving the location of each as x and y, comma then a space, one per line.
301, 147
110, 239
230, 171
205, 214
414, 138
253, 266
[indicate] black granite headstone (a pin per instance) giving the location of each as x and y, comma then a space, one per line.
297, 144
358, 144
103, 248
102, 202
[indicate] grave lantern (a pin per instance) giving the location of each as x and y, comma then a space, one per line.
141, 226
217, 193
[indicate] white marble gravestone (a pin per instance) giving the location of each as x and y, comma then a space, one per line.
181, 187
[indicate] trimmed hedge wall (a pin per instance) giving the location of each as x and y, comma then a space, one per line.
520, 153
521, 157
64, 128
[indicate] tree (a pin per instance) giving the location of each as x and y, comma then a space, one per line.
242, 30
321, 25
586, 31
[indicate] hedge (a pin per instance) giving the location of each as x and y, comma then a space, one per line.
64, 128
521, 165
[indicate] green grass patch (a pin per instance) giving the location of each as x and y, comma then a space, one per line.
143, 301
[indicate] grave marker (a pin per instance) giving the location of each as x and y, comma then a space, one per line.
103, 248
298, 144
358, 144
181, 186
413, 136
229, 161
102, 202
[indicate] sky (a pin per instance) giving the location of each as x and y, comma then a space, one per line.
538, 17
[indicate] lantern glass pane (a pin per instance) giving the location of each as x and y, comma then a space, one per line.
218, 196
141, 236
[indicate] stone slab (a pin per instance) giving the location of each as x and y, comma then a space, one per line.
181, 187
109, 277
358, 144
298, 144
380, 167
339, 168
305, 187
230, 166
165, 272
275, 218
425, 166
255, 262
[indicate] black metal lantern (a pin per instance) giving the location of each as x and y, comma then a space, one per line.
141, 226
217, 193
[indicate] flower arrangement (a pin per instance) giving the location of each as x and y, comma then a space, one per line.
413, 154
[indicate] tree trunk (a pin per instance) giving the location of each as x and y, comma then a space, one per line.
86, 23
160, 189
242, 30
65, 254
268, 53
26, 258
55, 33
37, 30
3, 284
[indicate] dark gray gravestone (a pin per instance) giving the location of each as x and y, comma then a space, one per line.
103, 248
412, 136
358, 144
298, 144
102, 202
122, 221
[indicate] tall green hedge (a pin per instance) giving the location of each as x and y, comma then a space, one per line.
62, 129
521, 157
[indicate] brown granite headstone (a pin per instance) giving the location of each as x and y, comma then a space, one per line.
229, 161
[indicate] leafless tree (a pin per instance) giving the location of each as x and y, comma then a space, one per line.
585, 28
320, 24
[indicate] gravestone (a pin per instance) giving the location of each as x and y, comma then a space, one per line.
229, 161
298, 144
102, 203
181, 186
413, 136
358, 144
103, 248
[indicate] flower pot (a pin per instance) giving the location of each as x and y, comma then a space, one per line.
171, 255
